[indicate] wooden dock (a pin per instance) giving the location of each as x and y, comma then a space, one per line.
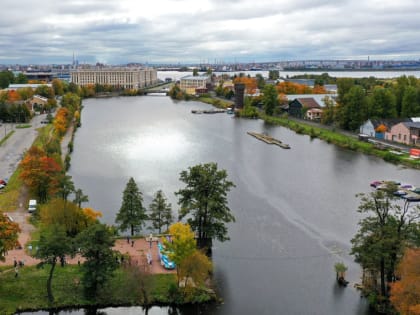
269, 140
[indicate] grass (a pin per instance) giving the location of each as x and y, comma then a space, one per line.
23, 126
7, 137
215, 101
341, 140
9, 196
28, 290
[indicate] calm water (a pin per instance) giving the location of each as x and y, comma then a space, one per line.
295, 209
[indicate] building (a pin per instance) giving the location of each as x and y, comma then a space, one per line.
314, 114
405, 132
190, 84
37, 101
15, 87
377, 127
127, 78
297, 106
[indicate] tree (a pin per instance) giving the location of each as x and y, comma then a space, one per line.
161, 212
260, 81
410, 106
45, 91
352, 110
68, 215
96, 244
40, 173
58, 86
197, 267
79, 197
405, 293
8, 235
273, 74
6, 77
53, 244
328, 113
195, 72
384, 230
21, 79
381, 104
181, 246
204, 200
65, 186
270, 99
132, 214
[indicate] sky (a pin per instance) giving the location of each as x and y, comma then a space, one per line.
201, 31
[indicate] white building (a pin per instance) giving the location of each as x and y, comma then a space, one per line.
191, 83
128, 78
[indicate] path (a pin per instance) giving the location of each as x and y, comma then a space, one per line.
137, 253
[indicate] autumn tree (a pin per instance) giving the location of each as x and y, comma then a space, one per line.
68, 215
96, 244
61, 121
405, 293
8, 235
132, 214
250, 84
53, 244
160, 212
40, 173
204, 202
181, 246
196, 267
58, 86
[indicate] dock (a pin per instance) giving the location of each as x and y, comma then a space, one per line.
269, 140
210, 111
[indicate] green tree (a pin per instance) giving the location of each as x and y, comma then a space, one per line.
65, 186
21, 79
53, 244
160, 212
204, 201
197, 267
343, 87
270, 99
132, 214
385, 229
410, 106
96, 244
273, 74
45, 91
328, 113
260, 81
352, 110
6, 77
381, 104
79, 197
195, 72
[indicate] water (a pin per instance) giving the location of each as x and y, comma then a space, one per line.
295, 209
176, 75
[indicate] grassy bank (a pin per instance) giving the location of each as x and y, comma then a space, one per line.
127, 287
215, 101
341, 140
9, 134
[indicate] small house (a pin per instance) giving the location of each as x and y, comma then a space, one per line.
405, 132
298, 105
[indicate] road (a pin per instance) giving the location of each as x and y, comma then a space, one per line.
12, 150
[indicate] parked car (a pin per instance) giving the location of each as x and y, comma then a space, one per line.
3, 182
2, 186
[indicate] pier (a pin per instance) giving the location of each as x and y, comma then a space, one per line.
269, 140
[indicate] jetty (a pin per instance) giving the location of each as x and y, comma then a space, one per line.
210, 111
269, 140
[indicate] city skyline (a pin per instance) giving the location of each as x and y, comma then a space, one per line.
187, 31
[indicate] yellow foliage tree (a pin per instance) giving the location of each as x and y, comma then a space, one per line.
8, 235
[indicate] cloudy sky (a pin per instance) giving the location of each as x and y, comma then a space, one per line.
194, 31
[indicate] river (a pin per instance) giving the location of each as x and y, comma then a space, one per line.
295, 209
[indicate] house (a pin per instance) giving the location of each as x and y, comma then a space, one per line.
297, 106
378, 127
37, 101
314, 114
405, 132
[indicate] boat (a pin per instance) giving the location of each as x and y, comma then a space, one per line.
269, 140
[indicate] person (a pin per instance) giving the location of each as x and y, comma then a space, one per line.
132, 243
128, 239
30, 248
16, 271
15, 262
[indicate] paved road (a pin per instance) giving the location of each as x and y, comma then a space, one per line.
12, 150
